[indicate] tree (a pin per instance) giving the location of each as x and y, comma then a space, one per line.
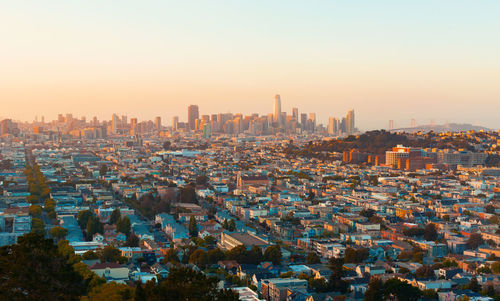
255, 255
37, 226
474, 241
430, 232
400, 290
58, 232
193, 227
213, 256
35, 210
111, 254
474, 285
356, 255
231, 225
489, 209
484, 270
94, 226
494, 220
123, 225
424, 271
367, 213
89, 255
171, 256
132, 241
336, 265
187, 284
313, 258
33, 269
112, 291
199, 257
83, 218
375, 291
495, 267
115, 216
273, 254
103, 170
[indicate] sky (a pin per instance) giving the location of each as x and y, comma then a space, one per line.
427, 60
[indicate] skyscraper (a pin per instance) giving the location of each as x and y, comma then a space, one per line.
133, 126
193, 114
158, 123
331, 126
391, 125
350, 126
413, 123
277, 108
175, 123
114, 124
295, 114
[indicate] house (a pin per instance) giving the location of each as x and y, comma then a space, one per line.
276, 289
111, 271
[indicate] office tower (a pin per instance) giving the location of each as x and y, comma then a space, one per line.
295, 114
343, 125
95, 121
277, 108
193, 115
158, 123
207, 130
124, 120
43, 119
133, 126
303, 120
413, 123
331, 126
350, 122
69, 118
312, 117
114, 124
391, 125
60, 118
175, 123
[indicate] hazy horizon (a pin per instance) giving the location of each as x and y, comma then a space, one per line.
386, 60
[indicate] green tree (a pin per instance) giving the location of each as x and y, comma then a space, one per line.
37, 226
123, 225
94, 226
474, 285
474, 241
58, 232
90, 255
187, 284
115, 216
111, 254
395, 289
199, 257
35, 210
430, 232
336, 265
375, 291
83, 218
495, 267
312, 258
273, 254
255, 255
112, 291
193, 227
33, 269
132, 240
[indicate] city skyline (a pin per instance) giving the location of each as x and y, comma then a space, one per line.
426, 60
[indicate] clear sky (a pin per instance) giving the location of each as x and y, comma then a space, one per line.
386, 59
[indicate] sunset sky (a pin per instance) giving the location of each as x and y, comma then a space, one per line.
385, 59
